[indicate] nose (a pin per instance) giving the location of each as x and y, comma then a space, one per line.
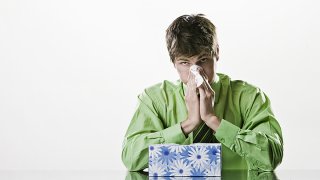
196, 67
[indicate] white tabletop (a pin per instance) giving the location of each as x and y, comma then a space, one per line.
123, 174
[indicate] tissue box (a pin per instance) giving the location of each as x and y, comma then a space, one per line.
200, 159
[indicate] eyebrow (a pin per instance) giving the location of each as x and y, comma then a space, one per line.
203, 55
182, 59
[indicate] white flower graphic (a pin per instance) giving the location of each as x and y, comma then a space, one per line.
177, 149
156, 170
218, 157
154, 151
214, 170
180, 169
199, 156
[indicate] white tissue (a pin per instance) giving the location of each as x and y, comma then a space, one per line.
198, 78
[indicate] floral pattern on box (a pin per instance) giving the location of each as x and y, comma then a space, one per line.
200, 159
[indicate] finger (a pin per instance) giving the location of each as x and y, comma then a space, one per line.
189, 83
209, 90
207, 84
202, 92
203, 74
192, 84
187, 88
189, 77
214, 96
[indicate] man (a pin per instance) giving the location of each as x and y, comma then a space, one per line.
234, 113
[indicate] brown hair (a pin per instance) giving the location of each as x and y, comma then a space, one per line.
189, 35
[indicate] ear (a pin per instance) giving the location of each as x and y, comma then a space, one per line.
217, 55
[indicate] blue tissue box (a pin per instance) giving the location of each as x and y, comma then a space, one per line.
200, 159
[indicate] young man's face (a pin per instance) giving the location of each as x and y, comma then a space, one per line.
205, 60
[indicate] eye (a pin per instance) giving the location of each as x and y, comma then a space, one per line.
184, 63
203, 60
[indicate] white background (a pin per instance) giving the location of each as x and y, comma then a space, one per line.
70, 72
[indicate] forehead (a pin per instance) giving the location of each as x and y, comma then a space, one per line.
197, 56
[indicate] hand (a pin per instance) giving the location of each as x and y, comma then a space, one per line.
207, 96
193, 106
206, 106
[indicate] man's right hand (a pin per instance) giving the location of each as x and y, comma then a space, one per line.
193, 106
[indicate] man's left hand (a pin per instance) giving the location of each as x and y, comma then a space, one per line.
206, 106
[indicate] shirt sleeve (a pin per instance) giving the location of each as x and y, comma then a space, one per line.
147, 128
259, 140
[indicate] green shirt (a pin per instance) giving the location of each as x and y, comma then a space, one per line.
250, 135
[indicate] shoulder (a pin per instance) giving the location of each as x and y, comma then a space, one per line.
239, 87
164, 86
245, 95
159, 92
